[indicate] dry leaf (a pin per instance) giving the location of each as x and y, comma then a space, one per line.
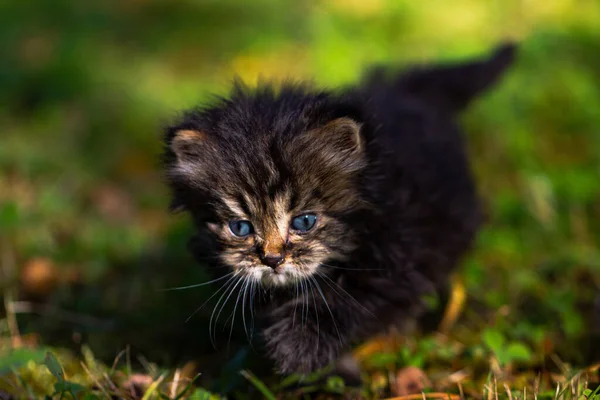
410, 380
39, 276
380, 344
454, 307
137, 384
428, 396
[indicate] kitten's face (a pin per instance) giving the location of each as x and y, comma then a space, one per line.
276, 241
277, 202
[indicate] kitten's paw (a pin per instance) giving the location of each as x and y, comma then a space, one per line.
300, 349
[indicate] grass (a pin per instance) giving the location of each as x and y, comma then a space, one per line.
389, 363
87, 247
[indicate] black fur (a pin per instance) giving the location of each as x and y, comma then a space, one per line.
403, 212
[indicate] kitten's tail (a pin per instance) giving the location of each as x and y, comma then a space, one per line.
450, 87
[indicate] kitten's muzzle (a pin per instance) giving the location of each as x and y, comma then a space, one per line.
272, 260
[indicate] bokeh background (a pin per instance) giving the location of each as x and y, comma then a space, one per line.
86, 243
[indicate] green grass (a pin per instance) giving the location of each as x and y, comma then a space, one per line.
474, 374
87, 247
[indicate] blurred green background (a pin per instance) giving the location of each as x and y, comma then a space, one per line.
86, 243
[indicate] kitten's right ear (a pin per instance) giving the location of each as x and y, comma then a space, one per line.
187, 144
185, 150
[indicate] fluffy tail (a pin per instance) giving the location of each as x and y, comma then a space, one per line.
451, 87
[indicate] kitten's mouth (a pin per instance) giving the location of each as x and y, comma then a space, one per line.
282, 275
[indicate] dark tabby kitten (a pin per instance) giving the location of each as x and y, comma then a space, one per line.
346, 206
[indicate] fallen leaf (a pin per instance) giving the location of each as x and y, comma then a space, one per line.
39, 276
138, 384
188, 372
454, 307
410, 380
429, 396
380, 344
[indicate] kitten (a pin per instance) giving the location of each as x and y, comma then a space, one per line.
346, 206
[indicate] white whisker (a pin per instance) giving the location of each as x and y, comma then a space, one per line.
316, 309
342, 289
352, 269
198, 284
210, 324
242, 289
304, 312
252, 291
295, 304
226, 284
328, 308
244, 308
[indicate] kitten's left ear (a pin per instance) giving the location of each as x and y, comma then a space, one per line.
451, 88
340, 143
343, 134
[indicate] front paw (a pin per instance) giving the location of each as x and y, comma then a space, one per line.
300, 349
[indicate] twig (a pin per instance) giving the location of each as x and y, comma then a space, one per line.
495, 388
419, 396
454, 306
462, 393
7, 269
508, 392
175, 383
110, 383
128, 360
96, 381
116, 361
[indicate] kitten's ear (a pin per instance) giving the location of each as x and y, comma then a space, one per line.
187, 144
451, 88
341, 133
183, 152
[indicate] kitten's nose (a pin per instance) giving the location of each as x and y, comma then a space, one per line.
272, 260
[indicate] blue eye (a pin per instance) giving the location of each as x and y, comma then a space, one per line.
304, 223
241, 228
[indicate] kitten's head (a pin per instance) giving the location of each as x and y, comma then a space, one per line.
273, 177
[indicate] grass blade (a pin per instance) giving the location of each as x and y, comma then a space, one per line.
259, 385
